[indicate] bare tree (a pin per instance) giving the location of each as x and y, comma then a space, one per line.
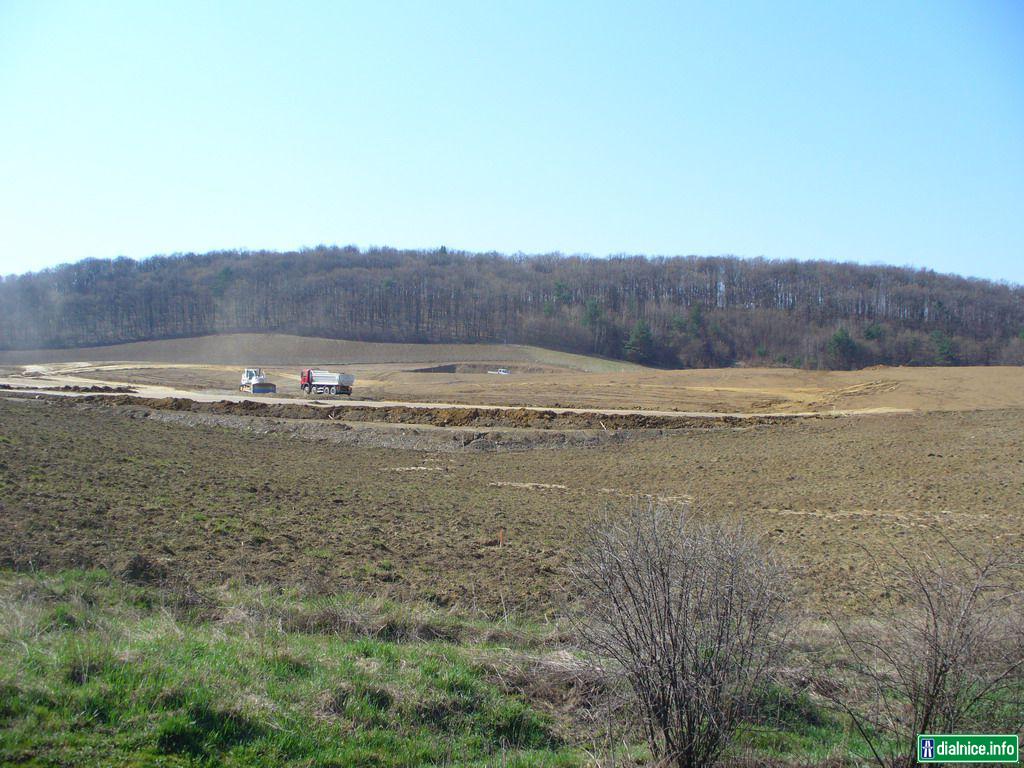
945, 655
685, 311
690, 612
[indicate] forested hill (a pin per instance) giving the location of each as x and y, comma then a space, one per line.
693, 311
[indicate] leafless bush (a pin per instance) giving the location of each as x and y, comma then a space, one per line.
946, 654
691, 613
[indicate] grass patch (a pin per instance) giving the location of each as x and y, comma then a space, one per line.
202, 730
789, 726
94, 671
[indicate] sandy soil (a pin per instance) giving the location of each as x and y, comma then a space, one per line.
564, 381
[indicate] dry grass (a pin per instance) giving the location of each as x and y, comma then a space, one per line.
282, 349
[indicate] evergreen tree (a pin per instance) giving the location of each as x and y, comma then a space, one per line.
842, 349
640, 346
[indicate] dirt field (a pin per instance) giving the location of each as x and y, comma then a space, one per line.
402, 491
458, 374
87, 483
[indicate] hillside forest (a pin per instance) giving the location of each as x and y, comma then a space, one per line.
665, 311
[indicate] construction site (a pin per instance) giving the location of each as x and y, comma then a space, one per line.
841, 459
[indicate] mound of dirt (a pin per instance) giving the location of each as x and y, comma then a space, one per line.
92, 388
163, 403
520, 418
76, 388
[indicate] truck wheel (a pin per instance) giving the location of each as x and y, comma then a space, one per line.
334, 390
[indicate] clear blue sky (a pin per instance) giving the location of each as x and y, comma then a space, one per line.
875, 132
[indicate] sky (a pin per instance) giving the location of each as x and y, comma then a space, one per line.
877, 132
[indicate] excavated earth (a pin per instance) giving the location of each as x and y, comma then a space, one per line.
521, 418
91, 388
296, 498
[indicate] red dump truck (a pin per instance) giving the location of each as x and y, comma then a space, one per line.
325, 382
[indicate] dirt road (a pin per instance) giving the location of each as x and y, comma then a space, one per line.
456, 376
43, 379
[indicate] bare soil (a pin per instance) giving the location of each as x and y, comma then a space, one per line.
458, 374
521, 418
407, 496
93, 484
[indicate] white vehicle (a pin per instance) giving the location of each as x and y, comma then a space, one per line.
254, 380
326, 382
501, 372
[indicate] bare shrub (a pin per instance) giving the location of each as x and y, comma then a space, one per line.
691, 612
945, 655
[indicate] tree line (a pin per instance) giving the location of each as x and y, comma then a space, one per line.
668, 311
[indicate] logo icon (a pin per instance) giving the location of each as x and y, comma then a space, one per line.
927, 749
968, 748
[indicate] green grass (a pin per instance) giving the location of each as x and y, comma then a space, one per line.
96, 672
